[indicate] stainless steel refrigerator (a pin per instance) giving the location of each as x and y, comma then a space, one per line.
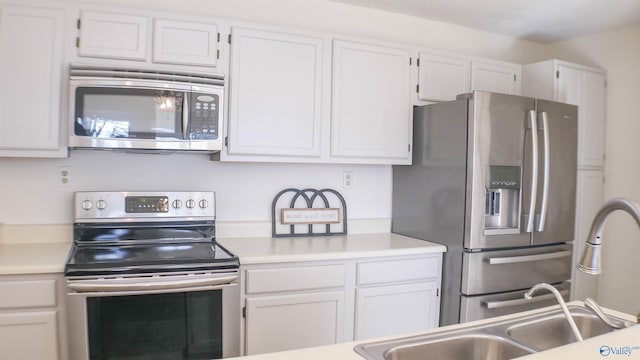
493, 178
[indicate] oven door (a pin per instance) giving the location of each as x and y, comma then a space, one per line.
187, 316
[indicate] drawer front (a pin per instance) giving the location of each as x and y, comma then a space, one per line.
392, 271
486, 306
294, 278
506, 270
27, 294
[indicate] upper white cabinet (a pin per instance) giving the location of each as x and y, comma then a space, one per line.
110, 35
184, 42
371, 110
496, 76
154, 38
276, 94
442, 78
579, 85
31, 68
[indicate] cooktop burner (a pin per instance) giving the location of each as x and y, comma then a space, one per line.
134, 232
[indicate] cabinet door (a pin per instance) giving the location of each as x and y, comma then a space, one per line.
29, 335
30, 79
185, 43
277, 323
275, 99
495, 77
587, 90
442, 78
590, 196
371, 111
396, 309
115, 36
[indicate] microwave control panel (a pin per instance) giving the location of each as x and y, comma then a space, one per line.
204, 117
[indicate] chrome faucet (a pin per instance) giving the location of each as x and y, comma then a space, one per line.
563, 305
590, 262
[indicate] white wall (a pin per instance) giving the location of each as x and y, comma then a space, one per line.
617, 52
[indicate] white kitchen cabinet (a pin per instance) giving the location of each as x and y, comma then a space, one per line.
371, 112
441, 77
31, 317
31, 68
113, 35
185, 42
149, 39
311, 303
496, 76
579, 85
275, 104
285, 322
589, 199
397, 295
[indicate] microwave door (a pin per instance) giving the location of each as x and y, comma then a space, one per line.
135, 118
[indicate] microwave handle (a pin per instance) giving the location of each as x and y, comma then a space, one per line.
185, 116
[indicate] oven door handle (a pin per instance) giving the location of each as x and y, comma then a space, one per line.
109, 286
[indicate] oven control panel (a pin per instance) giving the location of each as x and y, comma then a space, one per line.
143, 206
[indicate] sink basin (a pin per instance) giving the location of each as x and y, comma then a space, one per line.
472, 347
553, 331
495, 339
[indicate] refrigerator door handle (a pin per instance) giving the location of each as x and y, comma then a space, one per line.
516, 302
545, 180
527, 258
534, 170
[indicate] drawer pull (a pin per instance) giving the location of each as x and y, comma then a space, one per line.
516, 302
527, 258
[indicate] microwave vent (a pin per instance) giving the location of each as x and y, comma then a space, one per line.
92, 71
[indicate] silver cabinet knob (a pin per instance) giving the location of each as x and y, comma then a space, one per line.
87, 205
191, 203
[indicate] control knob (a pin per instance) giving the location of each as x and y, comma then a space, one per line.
101, 204
204, 203
191, 203
87, 205
177, 204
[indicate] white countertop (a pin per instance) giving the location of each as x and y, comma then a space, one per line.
587, 349
33, 258
261, 250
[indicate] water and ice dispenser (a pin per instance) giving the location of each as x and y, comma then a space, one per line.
502, 201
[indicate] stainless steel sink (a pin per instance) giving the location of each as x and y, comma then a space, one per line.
553, 331
476, 346
499, 339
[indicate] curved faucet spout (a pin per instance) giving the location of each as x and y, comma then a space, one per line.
565, 310
590, 262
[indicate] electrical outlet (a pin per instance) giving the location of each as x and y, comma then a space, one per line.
64, 175
347, 180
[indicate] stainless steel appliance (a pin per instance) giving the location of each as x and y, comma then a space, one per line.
147, 280
139, 110
494, 179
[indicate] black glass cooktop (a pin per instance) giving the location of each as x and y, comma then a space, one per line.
144, 258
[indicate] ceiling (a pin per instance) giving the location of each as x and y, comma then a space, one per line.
543, 21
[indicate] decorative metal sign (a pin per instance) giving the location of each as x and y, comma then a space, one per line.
310, 216
309, 211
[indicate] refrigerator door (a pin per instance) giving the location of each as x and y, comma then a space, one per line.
497, 202
557, 164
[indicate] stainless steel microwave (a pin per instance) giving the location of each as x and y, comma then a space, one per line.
140, 110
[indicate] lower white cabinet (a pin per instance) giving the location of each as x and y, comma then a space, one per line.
31, 317
396, 309
285, 322
29, 335
294, 305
